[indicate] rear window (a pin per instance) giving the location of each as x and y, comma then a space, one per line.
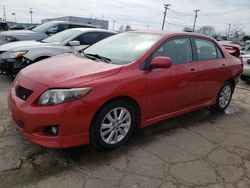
207, 49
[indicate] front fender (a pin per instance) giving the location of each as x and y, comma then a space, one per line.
35, 53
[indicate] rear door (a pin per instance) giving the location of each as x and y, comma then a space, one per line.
172, 89
212, 68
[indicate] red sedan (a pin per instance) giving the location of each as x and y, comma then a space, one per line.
127, 81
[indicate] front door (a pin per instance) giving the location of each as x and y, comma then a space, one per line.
172, 89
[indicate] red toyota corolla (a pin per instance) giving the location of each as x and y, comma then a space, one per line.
127, 81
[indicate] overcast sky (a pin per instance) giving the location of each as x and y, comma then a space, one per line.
139, 14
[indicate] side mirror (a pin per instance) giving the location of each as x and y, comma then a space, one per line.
51, 31
74, 43
161, 62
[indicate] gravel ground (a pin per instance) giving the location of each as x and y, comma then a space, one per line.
198, 149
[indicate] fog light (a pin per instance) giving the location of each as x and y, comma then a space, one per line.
54, 130
51, 130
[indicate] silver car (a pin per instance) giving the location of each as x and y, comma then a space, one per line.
245, 76
40, 32
17, 55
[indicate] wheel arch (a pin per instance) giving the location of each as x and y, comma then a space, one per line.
233, 82
124, 98
40, 58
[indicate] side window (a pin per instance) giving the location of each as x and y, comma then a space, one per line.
206, 49
75, 26
58, 28
219, 53
88, 38
179, 50
106, 35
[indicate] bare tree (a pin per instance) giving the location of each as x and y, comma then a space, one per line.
121, 29
207, 30
236, 30
128, 28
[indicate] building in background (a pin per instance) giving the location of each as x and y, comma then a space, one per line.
104, 24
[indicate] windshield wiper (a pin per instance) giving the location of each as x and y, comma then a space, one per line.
97, 56
40, 41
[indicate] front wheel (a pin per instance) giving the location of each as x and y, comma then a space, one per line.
113, 125
224, 97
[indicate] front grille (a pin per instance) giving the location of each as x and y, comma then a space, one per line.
22, 93
6, 68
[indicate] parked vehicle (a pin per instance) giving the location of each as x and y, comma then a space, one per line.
40, 32
3, 26
246, 70
127, 81
15, 56
17, 27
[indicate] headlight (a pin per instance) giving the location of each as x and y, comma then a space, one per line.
13, 55
9, 38
57, 96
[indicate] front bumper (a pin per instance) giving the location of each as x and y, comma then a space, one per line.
6, 68
11, 67
32, 119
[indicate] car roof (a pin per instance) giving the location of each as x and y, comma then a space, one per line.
92, 30
173, 33
73, 23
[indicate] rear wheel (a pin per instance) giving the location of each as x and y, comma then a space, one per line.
224, 97
113, 125
244, 78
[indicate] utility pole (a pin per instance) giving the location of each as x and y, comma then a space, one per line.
114, 25
4, 14
31, 12
164, 15
195, 17
229, 29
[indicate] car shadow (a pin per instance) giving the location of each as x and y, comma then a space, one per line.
143, 137
50, 162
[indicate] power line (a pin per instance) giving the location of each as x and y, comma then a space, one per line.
195, 17
164, 15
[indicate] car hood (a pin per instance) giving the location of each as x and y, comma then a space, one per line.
17, 32
68, 70
20, 45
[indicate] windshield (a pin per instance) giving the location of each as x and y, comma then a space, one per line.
62, 36
123, 48
43, 27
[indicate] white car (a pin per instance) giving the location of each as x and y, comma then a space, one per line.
40, 32
16, 55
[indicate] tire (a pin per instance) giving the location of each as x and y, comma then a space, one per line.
244, 78
108, 132
224, 97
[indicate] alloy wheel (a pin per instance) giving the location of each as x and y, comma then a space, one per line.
225, 96
115, 125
